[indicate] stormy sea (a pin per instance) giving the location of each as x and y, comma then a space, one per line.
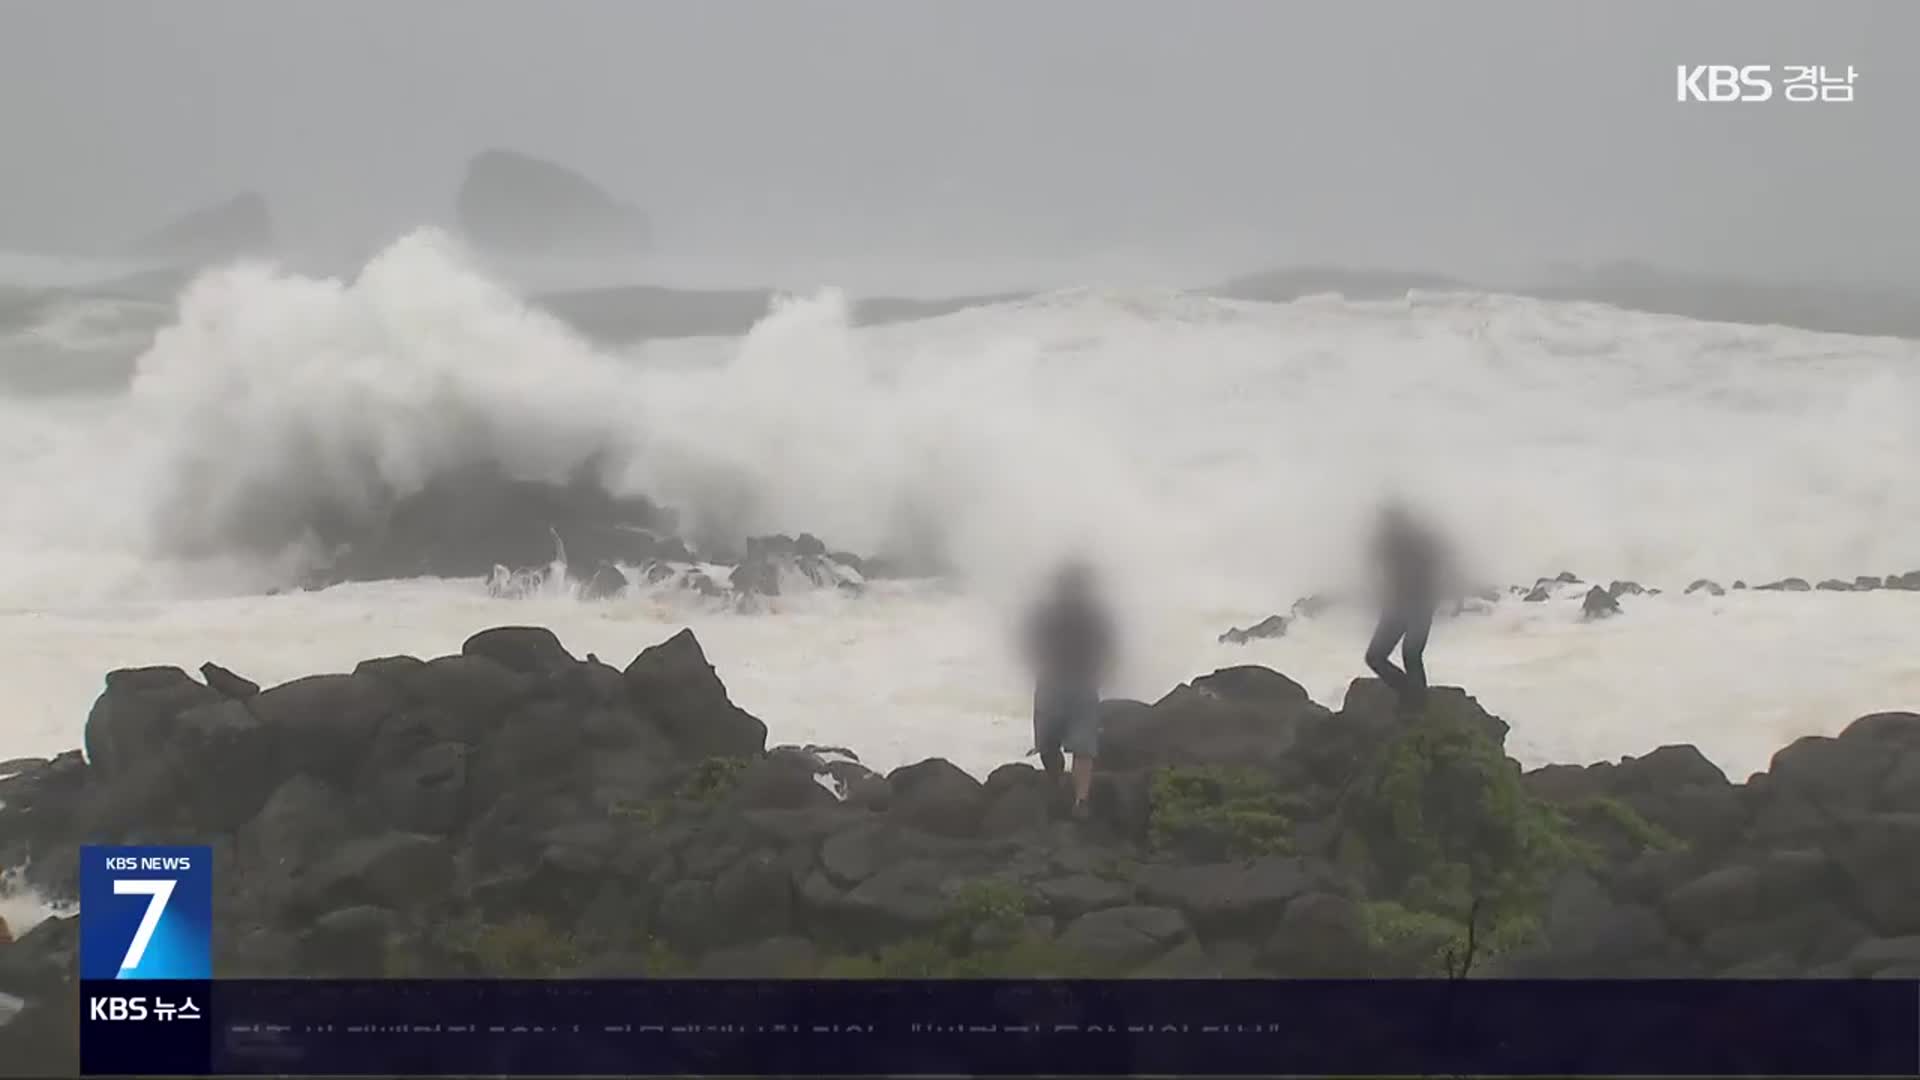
210, 467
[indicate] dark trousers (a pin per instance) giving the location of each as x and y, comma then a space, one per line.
1407, 626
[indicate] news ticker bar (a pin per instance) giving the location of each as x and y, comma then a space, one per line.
1003, 1028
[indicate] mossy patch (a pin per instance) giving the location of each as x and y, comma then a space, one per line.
524, 947
1217, 812
984, 935
712, 779
638, 812
988, 903
662, 961
1618, 820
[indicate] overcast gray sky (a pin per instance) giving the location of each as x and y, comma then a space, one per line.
1466, 135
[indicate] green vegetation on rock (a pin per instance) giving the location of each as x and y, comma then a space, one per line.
523, 947
1455, 836
1413, 943
711, 780
637, 811
662, 962
984, 935
1217, 812
1626, 822
992, 904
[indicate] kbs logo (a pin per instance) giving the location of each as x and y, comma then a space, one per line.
1724, 82
1755, 82
146, 913
117, 1008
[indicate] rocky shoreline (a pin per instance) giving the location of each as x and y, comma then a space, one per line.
1596, 601
516, 811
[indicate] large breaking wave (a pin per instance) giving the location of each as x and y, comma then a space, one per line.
1212, 448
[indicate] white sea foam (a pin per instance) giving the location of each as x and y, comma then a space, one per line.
1214, 457
21, 908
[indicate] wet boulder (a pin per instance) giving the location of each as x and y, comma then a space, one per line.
674, 687
134, 717
937, 796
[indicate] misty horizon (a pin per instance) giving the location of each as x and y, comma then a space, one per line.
1489, 141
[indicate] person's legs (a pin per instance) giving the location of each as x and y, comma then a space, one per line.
1082, 740
1047, 734
1380, 650
1413, 654
1082, 782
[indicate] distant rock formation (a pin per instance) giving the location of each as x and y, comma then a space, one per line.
513, 203
239, 226
1272, 626
1599, 604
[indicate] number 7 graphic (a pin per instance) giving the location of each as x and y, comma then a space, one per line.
159, 892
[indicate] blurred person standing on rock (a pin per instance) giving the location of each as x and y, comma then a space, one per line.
1069, 643
1412, 567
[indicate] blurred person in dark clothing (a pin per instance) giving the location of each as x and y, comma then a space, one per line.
1069, 643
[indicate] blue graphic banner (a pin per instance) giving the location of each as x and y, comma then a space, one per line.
146, 913
986, 1028
146, 960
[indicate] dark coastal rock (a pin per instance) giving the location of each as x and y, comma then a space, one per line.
529, 650
1080, 894
1127, 936
1538, 594
135, 717
901, 898
516, 203
1792, 584
324, 724
515, 812
1236, 896
674, 687
426, 793
770, 559
788, 778
226, 683
1272, 626
604, 582
351, 942
1618, 589
1315, 604
240, 747
524, 537
1599, 604
1773, 884
1706, 585
936, 796
1875, 853
1834, 585
464, 523
1019, 799
392, 869
1237, 715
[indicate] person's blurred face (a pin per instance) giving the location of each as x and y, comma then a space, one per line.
1075, 582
